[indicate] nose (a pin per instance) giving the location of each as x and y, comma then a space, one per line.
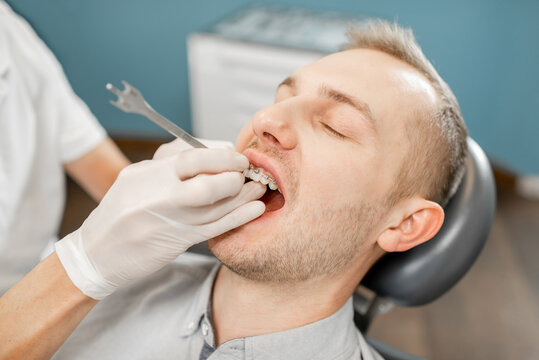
275, 125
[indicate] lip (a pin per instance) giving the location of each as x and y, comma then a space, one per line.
260, 160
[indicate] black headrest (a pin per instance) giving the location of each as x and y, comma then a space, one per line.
422, 274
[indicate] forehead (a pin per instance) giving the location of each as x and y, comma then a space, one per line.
394, 90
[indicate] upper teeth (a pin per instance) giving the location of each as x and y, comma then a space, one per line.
262, 176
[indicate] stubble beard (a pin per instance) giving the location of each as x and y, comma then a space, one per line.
309, 243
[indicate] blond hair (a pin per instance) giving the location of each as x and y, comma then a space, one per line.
438, 150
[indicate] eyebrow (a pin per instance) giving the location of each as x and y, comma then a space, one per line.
289, 81
339, 97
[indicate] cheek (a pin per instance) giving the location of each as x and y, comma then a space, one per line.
340, 178
330, 181
244, 137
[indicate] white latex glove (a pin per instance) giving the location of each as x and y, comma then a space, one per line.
174, 147
154, 211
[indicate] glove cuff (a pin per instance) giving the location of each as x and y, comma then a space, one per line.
79, 268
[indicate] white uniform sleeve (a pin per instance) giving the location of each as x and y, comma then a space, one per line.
78, 130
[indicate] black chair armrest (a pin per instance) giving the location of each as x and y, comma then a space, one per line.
389, 353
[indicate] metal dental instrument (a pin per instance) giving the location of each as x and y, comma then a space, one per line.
130, 100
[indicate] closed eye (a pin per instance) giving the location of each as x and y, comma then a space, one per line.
333, 132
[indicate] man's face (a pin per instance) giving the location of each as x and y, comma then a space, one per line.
334, 139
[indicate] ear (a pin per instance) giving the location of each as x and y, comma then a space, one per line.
411, 223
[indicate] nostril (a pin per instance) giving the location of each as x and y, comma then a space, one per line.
270, 137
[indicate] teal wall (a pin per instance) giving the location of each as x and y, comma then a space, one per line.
487, 50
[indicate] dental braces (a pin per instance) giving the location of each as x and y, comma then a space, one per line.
260, 175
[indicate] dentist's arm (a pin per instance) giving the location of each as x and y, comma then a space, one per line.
40, 312
153, 213
97, 170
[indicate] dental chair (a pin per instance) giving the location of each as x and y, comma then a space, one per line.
421, 275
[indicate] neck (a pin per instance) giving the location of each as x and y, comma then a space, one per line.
241, 307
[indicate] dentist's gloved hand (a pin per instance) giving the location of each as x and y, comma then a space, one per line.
174, 147
156, 210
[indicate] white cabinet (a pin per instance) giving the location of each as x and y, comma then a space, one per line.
235, 68
231, 80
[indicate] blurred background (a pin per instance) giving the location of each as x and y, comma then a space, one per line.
209, 65
487, 50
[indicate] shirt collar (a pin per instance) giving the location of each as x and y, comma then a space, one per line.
332, 337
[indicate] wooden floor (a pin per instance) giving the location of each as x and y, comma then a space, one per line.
493, 313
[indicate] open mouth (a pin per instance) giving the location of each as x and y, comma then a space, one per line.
273, 198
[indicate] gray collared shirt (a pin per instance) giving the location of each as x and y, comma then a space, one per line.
165, 316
